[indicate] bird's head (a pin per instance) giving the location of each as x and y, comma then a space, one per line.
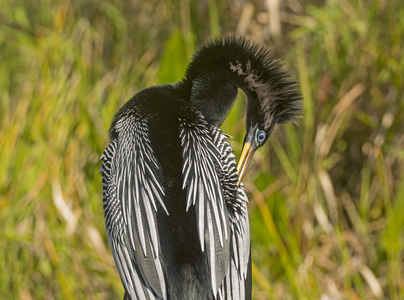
220, 67
273, 97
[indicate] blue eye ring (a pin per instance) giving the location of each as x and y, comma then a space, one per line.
260, 136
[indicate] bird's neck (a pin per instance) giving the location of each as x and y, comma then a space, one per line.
215, 91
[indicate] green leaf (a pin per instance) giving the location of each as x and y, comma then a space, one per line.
174, 61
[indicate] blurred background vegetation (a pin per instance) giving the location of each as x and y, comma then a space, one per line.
326, 197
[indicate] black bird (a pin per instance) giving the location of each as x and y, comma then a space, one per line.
175, 212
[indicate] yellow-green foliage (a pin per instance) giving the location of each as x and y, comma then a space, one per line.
326, 197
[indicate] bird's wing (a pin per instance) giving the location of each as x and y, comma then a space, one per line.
132, 196
237, 282
201, 164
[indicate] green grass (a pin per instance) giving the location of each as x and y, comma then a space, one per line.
326, 197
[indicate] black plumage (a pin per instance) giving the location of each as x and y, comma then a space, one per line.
175, 213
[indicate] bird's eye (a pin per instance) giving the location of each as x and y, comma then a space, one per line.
260, 136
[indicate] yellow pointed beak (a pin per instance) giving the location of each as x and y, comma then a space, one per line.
245, 159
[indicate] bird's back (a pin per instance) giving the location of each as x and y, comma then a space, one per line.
183, 261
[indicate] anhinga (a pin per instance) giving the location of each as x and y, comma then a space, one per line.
175, 212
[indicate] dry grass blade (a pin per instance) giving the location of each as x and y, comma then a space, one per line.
337, 116
371, 281
322, 218
65, 210
274, 18
245, 19
329, 192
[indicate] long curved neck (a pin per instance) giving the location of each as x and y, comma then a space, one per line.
213, 88
214, 98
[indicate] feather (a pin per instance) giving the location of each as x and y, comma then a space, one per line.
131, 177
235, 280
209, 176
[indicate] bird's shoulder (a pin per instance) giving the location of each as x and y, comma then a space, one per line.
158, 104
